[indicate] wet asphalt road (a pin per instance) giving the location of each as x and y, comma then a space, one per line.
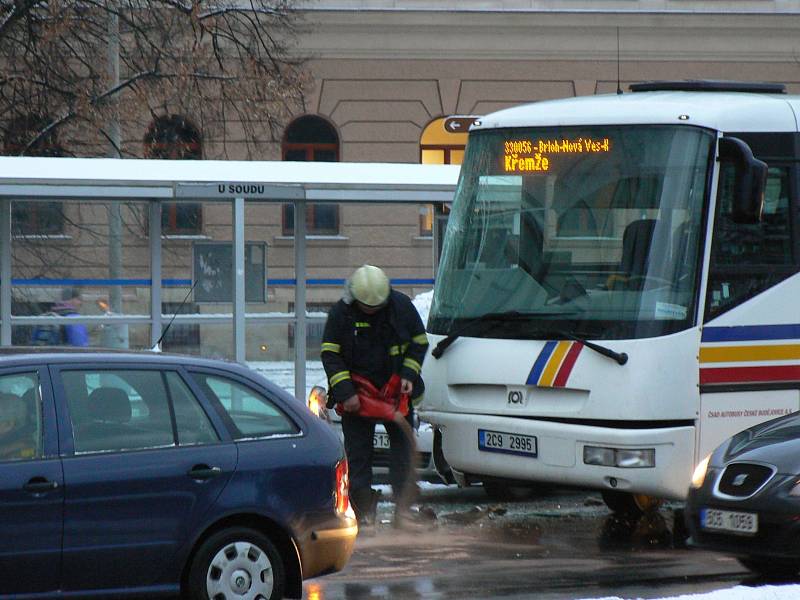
560, 545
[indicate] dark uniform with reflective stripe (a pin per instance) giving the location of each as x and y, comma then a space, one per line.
374, 346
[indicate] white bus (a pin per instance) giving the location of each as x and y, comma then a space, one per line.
619, 289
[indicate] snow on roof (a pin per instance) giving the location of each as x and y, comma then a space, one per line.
111, 171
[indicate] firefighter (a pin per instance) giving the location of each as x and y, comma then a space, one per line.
374, 333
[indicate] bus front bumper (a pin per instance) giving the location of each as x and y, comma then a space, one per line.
559, 453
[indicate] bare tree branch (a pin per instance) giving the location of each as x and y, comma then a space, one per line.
230, 67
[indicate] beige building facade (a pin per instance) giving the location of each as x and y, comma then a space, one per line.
384, 73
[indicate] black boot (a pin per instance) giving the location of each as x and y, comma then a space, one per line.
410, 520
365, 502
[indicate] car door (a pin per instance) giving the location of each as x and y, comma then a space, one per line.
31, 484
143, 466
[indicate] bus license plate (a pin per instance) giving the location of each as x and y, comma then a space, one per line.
508, 443
380, 441
726, 520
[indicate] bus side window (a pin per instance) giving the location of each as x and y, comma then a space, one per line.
746, 259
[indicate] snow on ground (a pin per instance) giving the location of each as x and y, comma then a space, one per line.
767, 592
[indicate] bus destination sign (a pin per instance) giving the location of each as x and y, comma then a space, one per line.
521, 156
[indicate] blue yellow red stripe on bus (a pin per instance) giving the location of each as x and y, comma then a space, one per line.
553, 366
748, 362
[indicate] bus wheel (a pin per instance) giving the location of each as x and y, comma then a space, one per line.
626, 503
504, 491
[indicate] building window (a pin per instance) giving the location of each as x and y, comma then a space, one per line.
176, 138
29, 217
310, 139
321, 219
437, 146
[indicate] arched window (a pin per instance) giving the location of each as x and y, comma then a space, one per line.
437, 146
312, 138
174, 137
33, 218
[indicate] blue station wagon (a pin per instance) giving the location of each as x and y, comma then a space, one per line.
127, 473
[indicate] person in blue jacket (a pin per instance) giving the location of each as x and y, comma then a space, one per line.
64, 334
77, 334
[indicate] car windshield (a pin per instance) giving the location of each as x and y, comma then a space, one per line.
590, 230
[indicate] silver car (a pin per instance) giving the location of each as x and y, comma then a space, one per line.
426, 467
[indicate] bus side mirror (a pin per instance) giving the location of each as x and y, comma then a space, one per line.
750, 180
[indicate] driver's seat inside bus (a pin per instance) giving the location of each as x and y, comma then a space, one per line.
636, 241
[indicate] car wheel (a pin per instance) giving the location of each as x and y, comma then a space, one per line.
501, 491
632, 505
237, 563
770, 567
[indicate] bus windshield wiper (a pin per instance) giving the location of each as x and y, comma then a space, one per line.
501, 317
620, 357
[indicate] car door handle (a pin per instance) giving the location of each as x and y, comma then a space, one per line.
40, 485
204, 472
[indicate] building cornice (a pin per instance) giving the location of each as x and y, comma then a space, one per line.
715, 7
550, 36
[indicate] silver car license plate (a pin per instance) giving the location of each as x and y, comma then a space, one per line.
380, 440
728, 520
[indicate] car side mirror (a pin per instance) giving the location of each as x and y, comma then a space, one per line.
750, 180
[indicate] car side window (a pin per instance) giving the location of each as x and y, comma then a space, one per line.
20, 417
253, 414
116, 410
191, 420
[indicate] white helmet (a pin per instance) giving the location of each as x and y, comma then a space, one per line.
369, 285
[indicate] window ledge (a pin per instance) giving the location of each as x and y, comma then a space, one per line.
313, 240
178, 236
41, 236
422, 240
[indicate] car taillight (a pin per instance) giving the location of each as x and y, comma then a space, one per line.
343, 487
317, 398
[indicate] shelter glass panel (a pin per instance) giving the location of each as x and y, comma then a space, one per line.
100, 335
273, 360
197, 275
211, 339
98, 265
268, 352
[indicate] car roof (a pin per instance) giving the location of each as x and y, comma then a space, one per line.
12, 355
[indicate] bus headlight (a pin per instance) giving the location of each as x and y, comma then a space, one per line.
317, 398
699, 475
624, 458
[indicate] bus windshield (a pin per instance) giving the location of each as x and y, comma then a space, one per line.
593, 231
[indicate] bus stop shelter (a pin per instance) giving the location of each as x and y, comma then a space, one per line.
155, 182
